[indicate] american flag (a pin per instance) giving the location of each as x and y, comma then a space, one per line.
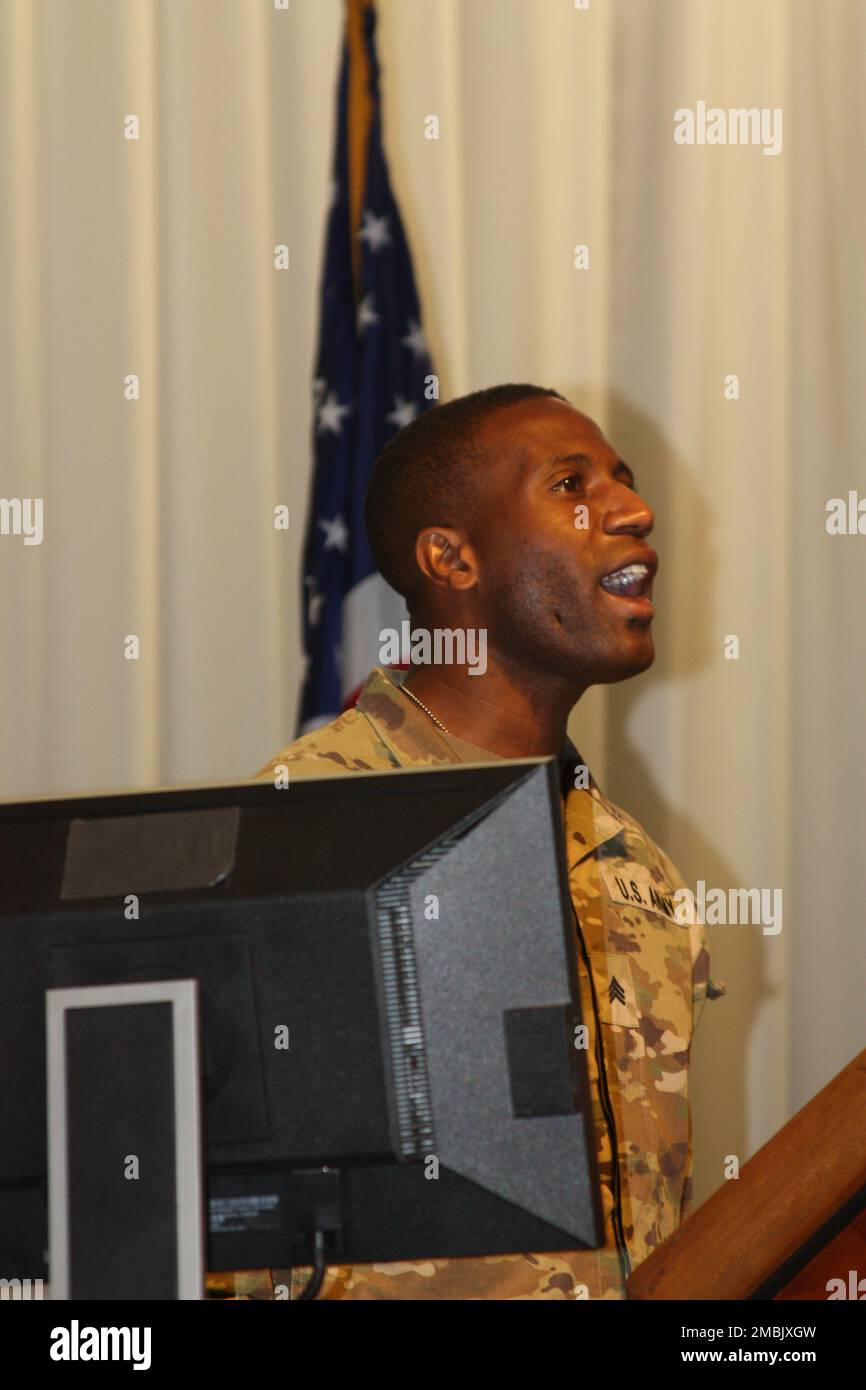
373, 375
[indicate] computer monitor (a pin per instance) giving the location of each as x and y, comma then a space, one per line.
388, 991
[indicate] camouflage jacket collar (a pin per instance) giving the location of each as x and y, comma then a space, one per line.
411, 737
406, 731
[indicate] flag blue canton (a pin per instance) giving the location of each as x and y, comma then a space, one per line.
372, 371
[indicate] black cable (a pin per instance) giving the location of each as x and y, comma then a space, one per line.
607, 1110
317, 1278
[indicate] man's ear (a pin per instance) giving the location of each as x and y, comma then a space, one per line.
445, 557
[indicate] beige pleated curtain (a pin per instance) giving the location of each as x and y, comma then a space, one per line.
154, 258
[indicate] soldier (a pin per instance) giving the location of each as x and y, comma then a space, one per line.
509, 513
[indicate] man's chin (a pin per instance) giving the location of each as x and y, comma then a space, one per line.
630, 661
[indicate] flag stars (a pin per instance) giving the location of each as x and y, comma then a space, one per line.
366, 313
314, 600
375, 231
336, 533
331, 414
415, 339
403, 413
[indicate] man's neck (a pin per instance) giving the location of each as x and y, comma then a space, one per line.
515, 717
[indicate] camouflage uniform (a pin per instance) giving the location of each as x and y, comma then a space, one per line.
649, 978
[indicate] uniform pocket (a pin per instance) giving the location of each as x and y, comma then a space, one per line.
645, 998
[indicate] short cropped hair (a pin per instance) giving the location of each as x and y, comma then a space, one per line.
428, 474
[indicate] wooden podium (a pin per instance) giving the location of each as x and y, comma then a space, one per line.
793, 1220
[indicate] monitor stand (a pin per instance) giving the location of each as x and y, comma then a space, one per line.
125, 1161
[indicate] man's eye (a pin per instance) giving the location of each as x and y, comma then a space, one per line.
569, 484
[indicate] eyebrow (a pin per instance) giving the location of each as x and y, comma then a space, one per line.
590, 462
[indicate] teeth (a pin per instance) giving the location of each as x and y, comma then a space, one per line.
621, 579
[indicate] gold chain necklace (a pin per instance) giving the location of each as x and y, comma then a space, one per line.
421, 705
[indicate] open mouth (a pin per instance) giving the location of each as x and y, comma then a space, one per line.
632, 581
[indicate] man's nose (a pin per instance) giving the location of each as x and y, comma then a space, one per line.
628, 512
